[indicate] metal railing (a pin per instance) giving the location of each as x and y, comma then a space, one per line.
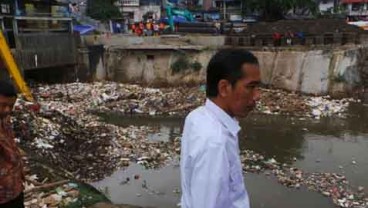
128, 3
267, 40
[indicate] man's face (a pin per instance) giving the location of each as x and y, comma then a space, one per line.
244, 94
6, 106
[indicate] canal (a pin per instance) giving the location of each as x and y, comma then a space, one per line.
338, 145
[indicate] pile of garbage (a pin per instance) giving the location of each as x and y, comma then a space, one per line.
69, 134
106, 97
122, 98
56, 194
279, 102
325, 106
88, 151
330, 185
44, 186
78, 149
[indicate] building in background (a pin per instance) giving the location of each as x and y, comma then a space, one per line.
140, 10
326, 6
356, 12
39, 32
356, 8
229, 9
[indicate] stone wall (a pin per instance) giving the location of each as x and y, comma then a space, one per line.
332, 71
154, 67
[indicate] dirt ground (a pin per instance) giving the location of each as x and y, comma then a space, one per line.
309, 27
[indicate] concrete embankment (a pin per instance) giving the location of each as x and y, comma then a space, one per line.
174, 60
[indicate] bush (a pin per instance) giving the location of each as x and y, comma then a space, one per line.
196, 66
181, 64
103, 10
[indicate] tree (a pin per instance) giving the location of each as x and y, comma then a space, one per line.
102, 9
277, 9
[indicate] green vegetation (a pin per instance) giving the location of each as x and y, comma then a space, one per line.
196, 66
276, 9
103, 9
339, 78
88, 196
183, 63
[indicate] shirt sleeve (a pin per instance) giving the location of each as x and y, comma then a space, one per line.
210, 177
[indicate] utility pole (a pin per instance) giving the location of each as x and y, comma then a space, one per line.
224, 9
335, 5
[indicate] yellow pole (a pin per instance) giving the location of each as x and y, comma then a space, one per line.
13, 69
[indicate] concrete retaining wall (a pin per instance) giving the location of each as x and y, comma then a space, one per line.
154, 67
126, 40
329, 70
334, 72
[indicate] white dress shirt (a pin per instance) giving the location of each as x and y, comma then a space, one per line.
211, 171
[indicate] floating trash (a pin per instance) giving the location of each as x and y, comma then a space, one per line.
67, 133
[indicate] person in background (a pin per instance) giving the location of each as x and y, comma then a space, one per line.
133, 28
118, 27
125, 26
149, 28
218, 27
156, 29
162, 27
210, 166
11, 167
289, 37
141, 29
277, 39
138, 31
301, 37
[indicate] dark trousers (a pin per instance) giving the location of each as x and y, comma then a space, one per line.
15, 203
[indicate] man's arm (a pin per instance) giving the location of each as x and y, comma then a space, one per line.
210, 177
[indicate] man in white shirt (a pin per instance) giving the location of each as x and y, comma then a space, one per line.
210, 166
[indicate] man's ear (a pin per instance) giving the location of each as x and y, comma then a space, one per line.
224, 88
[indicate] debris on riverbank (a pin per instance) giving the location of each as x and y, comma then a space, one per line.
52, 187
133, 99
70, 136
280, 102
331, 185
91, 151
54, 194
67, 133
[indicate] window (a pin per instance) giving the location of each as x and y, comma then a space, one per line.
5, 8
150, 57
356, 6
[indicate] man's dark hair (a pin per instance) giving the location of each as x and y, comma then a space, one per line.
227, 64
7, 89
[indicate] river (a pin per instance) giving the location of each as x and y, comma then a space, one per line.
337, 145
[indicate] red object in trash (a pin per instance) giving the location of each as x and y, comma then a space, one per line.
34, 107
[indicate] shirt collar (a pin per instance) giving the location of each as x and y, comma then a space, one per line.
230, 123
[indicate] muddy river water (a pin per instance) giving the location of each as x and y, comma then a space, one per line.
337, 145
